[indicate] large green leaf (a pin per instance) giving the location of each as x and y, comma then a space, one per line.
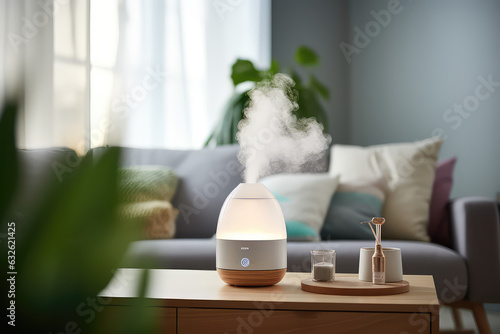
306, 56
275, 67
9, 165
320, 87
243, 70
75, 241
225, 132
310, 106
66, 251
296, 78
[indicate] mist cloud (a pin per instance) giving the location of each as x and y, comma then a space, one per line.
271, 137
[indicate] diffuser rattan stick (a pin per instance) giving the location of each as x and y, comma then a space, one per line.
369, 224
378, 259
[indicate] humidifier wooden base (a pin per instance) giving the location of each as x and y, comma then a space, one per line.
251, 277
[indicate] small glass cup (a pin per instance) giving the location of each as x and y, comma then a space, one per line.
323, 265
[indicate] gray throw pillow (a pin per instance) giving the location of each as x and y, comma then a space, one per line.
353, 203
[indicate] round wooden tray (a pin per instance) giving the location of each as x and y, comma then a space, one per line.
352, 286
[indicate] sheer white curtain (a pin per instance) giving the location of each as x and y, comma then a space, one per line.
171, 72
152, 73
44, 50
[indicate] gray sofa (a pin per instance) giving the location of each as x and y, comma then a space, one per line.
469, 271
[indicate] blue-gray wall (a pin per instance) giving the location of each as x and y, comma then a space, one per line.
402, 84
321, 25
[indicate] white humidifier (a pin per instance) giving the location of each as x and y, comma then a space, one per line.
251, 237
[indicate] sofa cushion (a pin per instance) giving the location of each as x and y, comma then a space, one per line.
157, 218
304, 200
353, 203
439, 215
206, 177
419, 258
146, 183
409, 169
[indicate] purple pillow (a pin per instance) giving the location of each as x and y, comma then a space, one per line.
439, 217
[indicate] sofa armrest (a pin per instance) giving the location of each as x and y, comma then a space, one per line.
476, 236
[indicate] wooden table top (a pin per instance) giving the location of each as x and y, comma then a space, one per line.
204, 288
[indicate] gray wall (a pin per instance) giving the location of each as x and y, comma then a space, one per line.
427, 59
321, 25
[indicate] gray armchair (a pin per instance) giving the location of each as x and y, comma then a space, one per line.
476, 237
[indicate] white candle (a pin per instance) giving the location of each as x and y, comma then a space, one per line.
323, 271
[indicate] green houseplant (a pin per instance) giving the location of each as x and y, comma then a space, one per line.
309, 94
64, 252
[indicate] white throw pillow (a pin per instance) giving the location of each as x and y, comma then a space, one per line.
409, 169
304, 200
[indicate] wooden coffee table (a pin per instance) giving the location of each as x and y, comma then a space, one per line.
193, 301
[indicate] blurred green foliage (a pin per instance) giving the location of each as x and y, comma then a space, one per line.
307, 57
309, 94
67, 250
9, 165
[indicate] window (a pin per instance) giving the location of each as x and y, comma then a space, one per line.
152, 73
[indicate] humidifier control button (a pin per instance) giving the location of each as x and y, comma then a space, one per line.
245, 262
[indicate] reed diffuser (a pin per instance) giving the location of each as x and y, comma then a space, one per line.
378, 259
